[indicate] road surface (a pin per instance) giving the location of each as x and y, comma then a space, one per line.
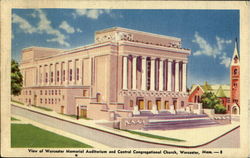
111, 139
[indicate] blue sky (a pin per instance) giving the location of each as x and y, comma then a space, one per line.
210, 34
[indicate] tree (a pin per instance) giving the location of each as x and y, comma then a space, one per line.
209, 100
16, 78
219, 109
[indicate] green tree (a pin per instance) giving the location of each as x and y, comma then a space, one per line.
209, 100
16, 78
219, 109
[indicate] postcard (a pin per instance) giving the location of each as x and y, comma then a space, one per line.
124, 79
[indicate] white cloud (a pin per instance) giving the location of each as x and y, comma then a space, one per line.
78, 30
43, 26
65, 26
91, 13
215, 51
23, 24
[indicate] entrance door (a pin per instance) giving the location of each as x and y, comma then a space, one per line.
83, 113
158, 104
62, 109
149, 105
141, 104
167, 105
35, 99
175, 104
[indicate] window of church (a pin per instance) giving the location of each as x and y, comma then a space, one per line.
235, 71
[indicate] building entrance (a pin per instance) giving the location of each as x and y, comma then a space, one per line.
83, 113
141, 104
158, 104
175, 104
62, 109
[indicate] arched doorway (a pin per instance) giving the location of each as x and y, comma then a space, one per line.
235, 110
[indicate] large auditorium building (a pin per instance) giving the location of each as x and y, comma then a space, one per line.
122, 72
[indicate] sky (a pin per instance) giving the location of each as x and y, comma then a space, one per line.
210, 34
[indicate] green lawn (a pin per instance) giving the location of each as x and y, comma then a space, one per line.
27, 135
43, 108
17, 102
74, 116
14, 119
154, 136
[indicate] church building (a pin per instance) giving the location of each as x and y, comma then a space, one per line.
235, 82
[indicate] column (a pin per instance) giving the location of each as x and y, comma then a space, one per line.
161, 75
49, 74
144, 73
152, 75
42, 74
55, 75
176, 75
80, 71
125, 73
66, 72
134, 72
74, 71
38, 76
169, 88
61, 73
184, 76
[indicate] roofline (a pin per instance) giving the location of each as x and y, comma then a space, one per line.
136, 31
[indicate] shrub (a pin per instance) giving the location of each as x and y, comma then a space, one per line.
219, 109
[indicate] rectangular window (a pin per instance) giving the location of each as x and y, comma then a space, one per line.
49, 92
70, 74
30, 92
59, 92
46, 77
63, 75
45, 92
41, 92
49, 101
84, 93
55, 92
57, 76
45, 101
55, 101
52, 101
77, 74
41, 100
51, 77
52, 92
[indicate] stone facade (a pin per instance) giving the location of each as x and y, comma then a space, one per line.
122, 70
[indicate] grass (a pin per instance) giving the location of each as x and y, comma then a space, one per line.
74, 116
43, 108
14, 119
27, 135
154, 136
17, 102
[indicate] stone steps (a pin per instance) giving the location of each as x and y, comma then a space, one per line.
179, 124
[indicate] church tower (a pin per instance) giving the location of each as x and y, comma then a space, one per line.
235, 82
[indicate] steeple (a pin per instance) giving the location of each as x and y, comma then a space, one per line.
235, 57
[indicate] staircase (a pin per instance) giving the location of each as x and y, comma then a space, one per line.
168, 121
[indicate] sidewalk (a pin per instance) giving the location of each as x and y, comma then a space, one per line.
192, 137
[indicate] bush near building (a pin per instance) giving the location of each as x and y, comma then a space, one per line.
210, 101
